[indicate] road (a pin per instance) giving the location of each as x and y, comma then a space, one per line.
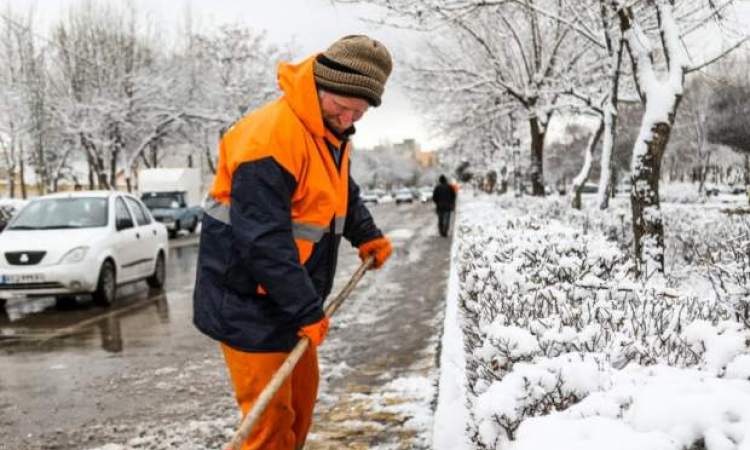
139, 376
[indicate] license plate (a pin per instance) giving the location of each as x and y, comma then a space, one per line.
21, 278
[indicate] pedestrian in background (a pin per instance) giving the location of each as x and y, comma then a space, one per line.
444, 196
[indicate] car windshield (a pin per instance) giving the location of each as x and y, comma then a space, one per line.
60, 213
160, 201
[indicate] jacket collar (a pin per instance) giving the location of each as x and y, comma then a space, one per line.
298, 85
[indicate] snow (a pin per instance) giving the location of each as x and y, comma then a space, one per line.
660, 365
547, 342
451, 415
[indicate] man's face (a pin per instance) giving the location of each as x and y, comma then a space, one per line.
341, 112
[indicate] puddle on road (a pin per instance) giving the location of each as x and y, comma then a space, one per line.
40, 324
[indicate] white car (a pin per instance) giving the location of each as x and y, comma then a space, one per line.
83, 242
425, 195
404, 195
368, 197
9, 207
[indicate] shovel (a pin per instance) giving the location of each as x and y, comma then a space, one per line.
248, 422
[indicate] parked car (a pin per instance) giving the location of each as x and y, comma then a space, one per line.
404, 195
368, 197
173, 196
425, 194
9, 207
81, 242
383, 196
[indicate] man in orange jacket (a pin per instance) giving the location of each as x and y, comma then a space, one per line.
280, 203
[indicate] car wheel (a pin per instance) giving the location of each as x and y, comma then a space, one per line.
156, 280
106, 287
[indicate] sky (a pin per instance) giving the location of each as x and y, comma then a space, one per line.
312, 24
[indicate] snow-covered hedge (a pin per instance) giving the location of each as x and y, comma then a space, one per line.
558, 336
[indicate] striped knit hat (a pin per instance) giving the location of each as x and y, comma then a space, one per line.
354, 66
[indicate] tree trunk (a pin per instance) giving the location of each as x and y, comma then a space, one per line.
154, 154
537, 157
648, 227
606, 184
12, 182
22, 173
92, 181
113, 170
583, 175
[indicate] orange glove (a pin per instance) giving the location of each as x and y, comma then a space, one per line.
316, 332
379, 248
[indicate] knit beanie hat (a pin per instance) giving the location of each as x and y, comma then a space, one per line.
354, 66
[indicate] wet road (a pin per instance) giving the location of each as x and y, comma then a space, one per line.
138, 375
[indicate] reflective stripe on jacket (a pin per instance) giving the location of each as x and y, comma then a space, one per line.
274, 218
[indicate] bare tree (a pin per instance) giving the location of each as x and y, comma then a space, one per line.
225, 74
606, 97
12, 114
494, 57
652, 34
729, 110
689, 151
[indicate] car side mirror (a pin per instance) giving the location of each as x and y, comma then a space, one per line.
123, 224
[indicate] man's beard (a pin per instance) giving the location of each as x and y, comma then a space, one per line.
338, 132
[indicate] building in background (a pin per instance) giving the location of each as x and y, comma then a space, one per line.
409, 149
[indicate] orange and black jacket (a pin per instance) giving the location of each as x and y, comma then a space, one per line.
278, 207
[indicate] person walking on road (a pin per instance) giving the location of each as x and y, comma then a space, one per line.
280, 203
444, 196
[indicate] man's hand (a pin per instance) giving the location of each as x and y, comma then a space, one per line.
379, 248
316, 332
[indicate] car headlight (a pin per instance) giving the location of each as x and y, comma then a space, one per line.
75, 255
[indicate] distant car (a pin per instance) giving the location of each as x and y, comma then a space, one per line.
738, 189
425, 195
369, 197
590, 188
9, 207
404, 195
173, 195
385, 198
171, 209
83, 242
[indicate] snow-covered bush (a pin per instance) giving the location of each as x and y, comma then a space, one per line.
711, 250
681, 193
551, 315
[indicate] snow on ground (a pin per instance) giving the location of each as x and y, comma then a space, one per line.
564, 350
549, 343
451, 415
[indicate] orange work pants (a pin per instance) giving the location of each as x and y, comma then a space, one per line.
287, 419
